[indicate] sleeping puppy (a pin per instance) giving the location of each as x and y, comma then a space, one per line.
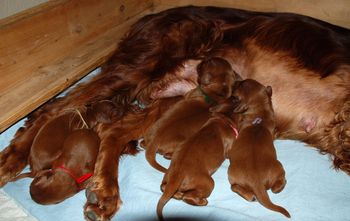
70, 171
254, 167
189, 175
216, 79
48, 143
60, 140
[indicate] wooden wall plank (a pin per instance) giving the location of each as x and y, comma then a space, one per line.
44, 52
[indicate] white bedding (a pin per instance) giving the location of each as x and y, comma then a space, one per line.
314, 192
10, 210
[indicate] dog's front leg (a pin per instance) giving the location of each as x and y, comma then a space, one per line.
102, 193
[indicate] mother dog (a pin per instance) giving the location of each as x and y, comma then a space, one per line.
306, 61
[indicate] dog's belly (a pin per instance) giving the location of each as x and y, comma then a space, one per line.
303, 101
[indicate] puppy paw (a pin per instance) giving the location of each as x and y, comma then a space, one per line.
93, 214
10, 166
278, 185
102, 203
195, 201
243, 192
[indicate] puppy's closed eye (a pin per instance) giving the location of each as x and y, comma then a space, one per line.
235, 100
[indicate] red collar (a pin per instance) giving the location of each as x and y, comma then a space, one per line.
78, 180
234, 130
232, 127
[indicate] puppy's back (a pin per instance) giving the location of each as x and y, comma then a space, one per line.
80, 149
47, 145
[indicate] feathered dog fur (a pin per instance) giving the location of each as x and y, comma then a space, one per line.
305, 60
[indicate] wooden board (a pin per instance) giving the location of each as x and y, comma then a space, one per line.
46, 49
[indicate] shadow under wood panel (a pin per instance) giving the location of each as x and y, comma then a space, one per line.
47, 48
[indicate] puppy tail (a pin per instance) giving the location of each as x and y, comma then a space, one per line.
151, 158
170, 189
264, 199
23, 175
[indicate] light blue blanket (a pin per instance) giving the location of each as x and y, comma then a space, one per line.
314, 192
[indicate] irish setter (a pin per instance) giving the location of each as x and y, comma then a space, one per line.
305, 60
254, 167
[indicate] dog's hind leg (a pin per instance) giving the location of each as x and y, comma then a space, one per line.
279, 185
243, 192
14, 158
200, 192
192, 198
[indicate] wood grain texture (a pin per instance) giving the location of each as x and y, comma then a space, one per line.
46, 51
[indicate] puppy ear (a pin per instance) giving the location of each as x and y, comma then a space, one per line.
236, 84
104, 111
237, 77
103, 117
229, 78
269, 90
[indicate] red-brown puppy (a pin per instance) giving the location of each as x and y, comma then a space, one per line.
70, 171
254, 167
189, 175
63, 141
216, 79
47, 145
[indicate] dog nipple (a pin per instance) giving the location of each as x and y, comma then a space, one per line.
308, 124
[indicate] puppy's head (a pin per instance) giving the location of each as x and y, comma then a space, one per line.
250, 92
50, 187
102, 112
216, 77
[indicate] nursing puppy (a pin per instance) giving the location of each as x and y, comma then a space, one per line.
254, 167
215, 78
189, 175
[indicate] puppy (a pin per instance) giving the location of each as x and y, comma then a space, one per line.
254, 167
48, 144
216, 78
58, 141
189, 175
70, 170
